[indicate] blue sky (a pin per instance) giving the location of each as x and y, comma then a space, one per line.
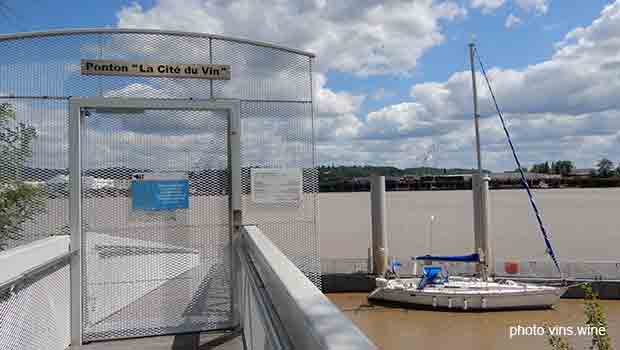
390, 90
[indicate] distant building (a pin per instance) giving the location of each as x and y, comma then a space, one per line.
584, 172
59, 179
513, 180
58, 183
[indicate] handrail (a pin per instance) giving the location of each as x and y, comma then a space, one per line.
271, 322
36, 271
310, 320
79, 31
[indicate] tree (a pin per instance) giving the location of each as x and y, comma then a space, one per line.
19, 201
563, 167
605, 167
542, 168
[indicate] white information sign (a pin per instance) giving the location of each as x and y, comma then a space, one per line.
277, 186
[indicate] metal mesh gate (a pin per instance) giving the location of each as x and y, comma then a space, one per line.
39, 73
154, 272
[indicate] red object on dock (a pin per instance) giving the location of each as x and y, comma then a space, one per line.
511, 267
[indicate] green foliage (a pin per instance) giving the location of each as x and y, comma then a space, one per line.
542, 168
326, 172
19, 201
595, 317
557, 342
605, 167
560, 167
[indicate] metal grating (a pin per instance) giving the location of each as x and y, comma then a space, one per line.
261, 73
36, 314
280, 135
33, 144
156, 272
38, 74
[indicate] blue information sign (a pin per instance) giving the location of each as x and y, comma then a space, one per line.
159, 194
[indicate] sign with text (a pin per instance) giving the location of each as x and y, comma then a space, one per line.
167, 70
154, 192
277, 186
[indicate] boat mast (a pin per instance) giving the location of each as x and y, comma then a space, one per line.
475, 97
480, 189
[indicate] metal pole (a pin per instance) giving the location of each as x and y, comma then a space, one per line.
489, 263
430, 236
235, 213
480, 191
75, 214
379, 233
480, 186
475, 97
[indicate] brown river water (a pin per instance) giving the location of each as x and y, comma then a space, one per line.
583, 223
398, 328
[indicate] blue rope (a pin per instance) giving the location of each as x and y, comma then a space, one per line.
523, 179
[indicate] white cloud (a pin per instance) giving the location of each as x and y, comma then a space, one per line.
487, 6
539, 6
382, 93
336, 112
334, 103
512, 21
566, 107
362, 37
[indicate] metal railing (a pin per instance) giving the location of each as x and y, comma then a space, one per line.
34, 296
281, 308
608, 270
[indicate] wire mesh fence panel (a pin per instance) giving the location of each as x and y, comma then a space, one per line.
38, 75
155, 270
280, 135
33, 158
36, 314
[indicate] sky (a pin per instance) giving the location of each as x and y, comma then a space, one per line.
393, 86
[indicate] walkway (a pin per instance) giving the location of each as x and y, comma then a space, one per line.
211, 341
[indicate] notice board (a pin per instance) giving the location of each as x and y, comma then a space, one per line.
277, 186
155, 192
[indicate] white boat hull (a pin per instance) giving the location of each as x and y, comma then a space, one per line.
467, 294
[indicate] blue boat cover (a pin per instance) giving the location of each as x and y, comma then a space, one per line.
463, 258
430, 273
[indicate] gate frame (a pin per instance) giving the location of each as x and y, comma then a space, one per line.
232, 106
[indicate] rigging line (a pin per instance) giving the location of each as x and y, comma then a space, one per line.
523, 178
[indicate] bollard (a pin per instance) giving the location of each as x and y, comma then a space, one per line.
379, 233
480, 190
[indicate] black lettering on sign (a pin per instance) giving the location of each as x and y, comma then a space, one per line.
106, 67
117, 67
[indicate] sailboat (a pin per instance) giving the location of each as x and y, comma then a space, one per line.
436, 289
